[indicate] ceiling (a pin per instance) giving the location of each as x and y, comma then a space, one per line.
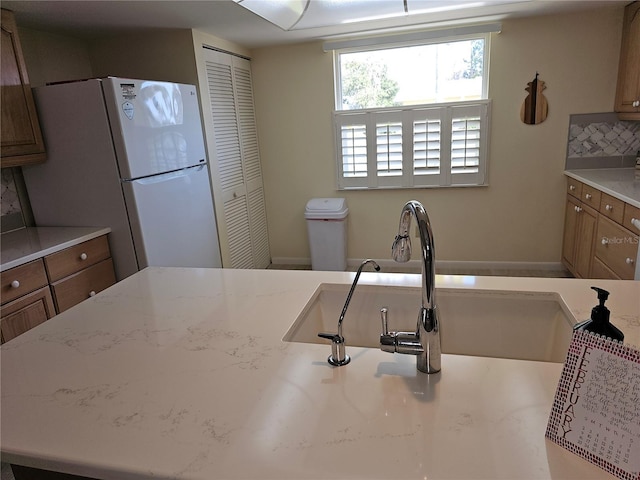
228, 20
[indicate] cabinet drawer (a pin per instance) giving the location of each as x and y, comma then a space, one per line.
617, 247
21, 280
82, 285
631, 212
612, 208
574, 187
74, 259
591, 196
600, 270
25, 313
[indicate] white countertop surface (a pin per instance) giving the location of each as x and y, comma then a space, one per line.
617, 182
182, 373
21, 246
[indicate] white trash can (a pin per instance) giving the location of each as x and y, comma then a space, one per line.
327, 227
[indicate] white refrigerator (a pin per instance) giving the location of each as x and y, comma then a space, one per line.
129, 155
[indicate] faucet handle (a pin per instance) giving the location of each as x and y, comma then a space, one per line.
387, 340
383, 316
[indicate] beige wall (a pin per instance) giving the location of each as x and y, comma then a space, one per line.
165, 55
54, 58
517, 218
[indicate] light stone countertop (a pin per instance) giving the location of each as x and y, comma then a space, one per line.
26, 244
182, 373
617, 182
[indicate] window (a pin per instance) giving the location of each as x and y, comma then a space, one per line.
413, 116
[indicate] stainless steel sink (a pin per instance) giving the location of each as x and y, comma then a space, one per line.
486, 323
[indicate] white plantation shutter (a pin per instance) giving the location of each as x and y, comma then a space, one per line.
426, 144
354, 150
238, 162
469, 137
444, 145
389, 149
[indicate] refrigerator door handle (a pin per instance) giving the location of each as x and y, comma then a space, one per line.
165, 177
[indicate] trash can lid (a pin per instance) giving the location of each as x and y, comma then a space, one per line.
326, 208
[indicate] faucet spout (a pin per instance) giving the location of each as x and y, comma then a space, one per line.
338, 355
401, 248
425, 341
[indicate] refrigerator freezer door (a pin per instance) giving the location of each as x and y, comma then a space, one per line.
172, 219
156, 126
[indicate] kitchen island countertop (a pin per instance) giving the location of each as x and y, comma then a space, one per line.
183, 374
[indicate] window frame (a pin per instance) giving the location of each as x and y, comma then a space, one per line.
408, 114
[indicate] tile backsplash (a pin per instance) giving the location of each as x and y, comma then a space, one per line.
601, 141
12, 214
9, 194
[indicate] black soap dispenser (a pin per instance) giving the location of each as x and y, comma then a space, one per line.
599, 321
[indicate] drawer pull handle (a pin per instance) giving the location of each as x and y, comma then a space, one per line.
608, 207
572, 187
588, 196
605, 241
83, 256
629, 261
92, 293
577, 209
15, 284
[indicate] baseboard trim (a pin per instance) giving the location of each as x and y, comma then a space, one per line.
290, 261
542, 266
443, 264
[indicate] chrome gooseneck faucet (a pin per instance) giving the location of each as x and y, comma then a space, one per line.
338, 355
425, 341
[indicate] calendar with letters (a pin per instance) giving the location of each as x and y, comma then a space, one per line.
596, 410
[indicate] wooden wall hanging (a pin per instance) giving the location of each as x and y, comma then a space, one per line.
534, 108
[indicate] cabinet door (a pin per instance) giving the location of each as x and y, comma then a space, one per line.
25, 313
21, 142
628, 89
570, 228
585, 235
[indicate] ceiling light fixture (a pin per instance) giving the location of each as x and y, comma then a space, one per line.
304, 14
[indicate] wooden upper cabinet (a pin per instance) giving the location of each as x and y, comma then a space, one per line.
628, 89
21, 140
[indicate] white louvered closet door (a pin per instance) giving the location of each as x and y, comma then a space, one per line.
237, 159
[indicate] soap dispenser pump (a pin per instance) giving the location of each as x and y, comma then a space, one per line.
599, 321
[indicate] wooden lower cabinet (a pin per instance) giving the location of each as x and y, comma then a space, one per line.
82, 285
26, 312
599, 238
36, 291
